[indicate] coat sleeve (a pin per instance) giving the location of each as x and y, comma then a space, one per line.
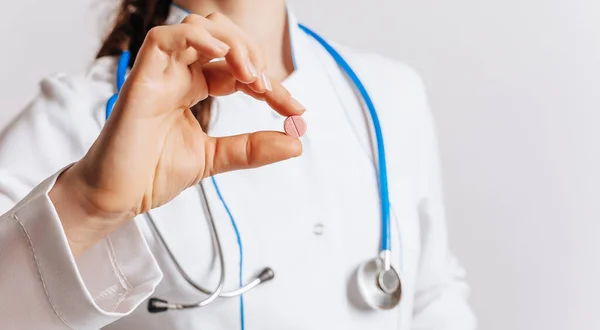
441, 290
42, 286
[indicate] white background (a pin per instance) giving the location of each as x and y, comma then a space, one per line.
515, 87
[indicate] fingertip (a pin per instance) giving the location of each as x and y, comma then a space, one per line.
248, 90
219, 48
297, 106
297, 109
220, 55
262, 84
297, 148
251, 69
266, 81
257, 87
281, 146
280, 99
243, 72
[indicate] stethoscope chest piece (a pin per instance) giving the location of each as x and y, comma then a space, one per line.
379, 286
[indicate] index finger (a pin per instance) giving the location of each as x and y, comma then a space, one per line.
221, 82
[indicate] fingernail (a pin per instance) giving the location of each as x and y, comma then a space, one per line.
297, 105
251, 68
219, 45
267, 81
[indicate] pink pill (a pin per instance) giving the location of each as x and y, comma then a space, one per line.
294, 126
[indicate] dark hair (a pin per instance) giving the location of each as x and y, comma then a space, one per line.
134, 19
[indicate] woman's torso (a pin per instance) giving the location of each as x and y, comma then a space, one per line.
312, 219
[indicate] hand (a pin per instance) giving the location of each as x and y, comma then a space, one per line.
152, 147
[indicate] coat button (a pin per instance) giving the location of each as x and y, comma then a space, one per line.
318, 229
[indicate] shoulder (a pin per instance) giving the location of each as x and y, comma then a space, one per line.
77, 98
78, 92
384, 73
71, 101
58, 125
397, 90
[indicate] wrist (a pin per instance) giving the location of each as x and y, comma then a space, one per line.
83, 222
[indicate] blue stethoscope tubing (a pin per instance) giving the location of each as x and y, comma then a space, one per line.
381, 164
121, 75
383, 180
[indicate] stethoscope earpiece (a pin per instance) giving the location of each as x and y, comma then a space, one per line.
156, 305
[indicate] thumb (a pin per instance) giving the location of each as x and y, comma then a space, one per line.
252, 150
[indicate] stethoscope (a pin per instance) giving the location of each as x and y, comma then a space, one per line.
378, 281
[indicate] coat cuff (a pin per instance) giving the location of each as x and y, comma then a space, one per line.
107, 282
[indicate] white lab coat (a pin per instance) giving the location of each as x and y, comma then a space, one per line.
313, 219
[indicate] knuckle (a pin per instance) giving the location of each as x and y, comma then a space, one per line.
217, 17
153, 34
193, 19
196, 27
